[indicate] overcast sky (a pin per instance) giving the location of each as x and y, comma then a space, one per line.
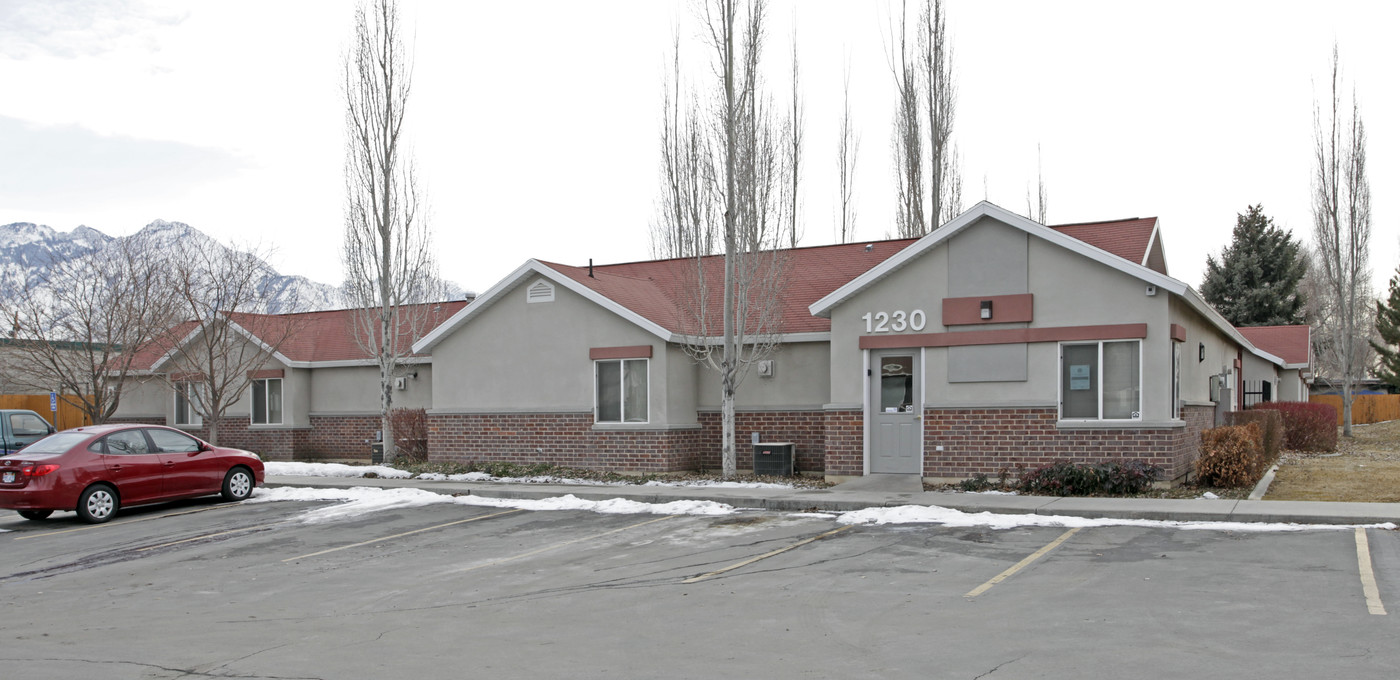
535, 124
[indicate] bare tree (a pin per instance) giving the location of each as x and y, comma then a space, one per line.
793, 153
75, 331
387, 252
907, 141
1342, 231
846, 154
732, 303
684, 227
1037, 210
211, 359
941, 99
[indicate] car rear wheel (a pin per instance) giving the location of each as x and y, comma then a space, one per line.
97, 504
35, 514
238, 484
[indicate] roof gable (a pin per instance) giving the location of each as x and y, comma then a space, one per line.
1100, 237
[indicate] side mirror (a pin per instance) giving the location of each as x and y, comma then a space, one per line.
52, 429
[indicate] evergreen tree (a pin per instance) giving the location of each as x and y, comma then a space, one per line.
1255, 283
1388, 325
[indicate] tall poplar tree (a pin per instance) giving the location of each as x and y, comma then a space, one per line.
1255, 282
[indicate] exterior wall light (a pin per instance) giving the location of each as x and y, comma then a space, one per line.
1201, 352
986, 309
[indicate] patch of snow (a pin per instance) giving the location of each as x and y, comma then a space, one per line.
284, 469
909, 514
715, 484
611, 506
357, 501
1210, 495
463, 477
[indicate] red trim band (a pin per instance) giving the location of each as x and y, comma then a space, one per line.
630, 352
967, 311
1178, 332
269, 373
1008, 336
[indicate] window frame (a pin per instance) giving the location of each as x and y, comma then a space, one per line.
266, 415
1099, 362
183, 391
622, 392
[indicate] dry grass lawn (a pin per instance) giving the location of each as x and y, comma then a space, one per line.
1365, 468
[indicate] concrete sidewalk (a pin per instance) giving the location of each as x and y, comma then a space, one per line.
840, 500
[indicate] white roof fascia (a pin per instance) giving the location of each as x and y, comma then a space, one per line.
823, 306
279, 356
512, 281
1202, 307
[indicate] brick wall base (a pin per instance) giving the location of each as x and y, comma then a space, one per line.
339, 437
569, 439
990, 441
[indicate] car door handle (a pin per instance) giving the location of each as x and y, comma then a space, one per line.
169, 463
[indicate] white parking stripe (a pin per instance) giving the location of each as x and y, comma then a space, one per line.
1021, 565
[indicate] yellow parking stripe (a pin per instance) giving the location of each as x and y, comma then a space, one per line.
1368, 577
1021, 565
560, 545
406, 533
129, 521
764, 556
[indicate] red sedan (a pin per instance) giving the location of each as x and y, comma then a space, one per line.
96, 470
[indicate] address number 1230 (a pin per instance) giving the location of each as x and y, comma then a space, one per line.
897, 321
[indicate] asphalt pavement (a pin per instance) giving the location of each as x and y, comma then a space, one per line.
866, 493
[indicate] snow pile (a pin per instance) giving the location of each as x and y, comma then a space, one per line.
363, 500
611, 506
332, 470
358, 501
464, 477
912, 514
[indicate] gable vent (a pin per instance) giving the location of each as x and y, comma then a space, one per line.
540, 291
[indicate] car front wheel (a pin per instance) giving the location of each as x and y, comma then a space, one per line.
35, 514
97, 504
238, 484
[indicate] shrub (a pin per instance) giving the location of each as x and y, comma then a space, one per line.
1231, 456
411, 433
1064, 478
1306, 427
1270, 422
978, 482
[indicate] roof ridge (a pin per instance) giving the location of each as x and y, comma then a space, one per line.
1085, 224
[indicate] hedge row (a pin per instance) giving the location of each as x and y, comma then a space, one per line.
1306, 427
1231, 456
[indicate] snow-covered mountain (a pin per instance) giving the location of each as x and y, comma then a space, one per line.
27, 250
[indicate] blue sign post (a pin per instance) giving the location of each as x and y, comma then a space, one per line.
53, 406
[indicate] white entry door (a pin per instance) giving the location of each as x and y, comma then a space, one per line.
896, 415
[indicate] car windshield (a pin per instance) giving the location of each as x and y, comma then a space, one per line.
57, 443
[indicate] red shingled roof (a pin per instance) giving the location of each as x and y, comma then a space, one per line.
315, 336
1128, 239
661, 291
1290, 343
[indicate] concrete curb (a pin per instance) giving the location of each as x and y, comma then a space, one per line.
830, 500
1263, 486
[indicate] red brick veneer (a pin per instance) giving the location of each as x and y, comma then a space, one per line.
804, 429
988, 441
328, 437
566, 439
845, 442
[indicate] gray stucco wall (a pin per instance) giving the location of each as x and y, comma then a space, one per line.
1070, 290
354, 390
802, 374
1220, 352
516, 356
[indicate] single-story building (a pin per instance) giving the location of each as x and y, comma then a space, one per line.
316, 396
993, 343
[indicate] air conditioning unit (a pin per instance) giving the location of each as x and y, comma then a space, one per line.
400, 383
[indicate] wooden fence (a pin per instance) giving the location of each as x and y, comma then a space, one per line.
68, 415
1365, 408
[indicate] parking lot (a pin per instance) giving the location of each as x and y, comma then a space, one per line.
206, 589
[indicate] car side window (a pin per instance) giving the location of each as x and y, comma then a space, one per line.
128, 442
173, 442
28, 425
